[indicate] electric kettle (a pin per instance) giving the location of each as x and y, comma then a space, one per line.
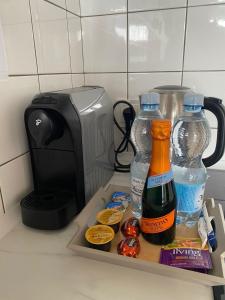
171, 107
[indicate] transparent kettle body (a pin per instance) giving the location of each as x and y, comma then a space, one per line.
171, 107
171, 100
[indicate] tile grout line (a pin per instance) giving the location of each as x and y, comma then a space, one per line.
184, 44
82, 43
35, 51
149, 10
133, 12
156, 9
113, 72
68, 37
3, 205
103, 15
14, 158
43, 74
54, 4
127, 54
210, 4
153, 10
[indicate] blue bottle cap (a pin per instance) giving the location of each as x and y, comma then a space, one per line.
150, 98
193, 102
193, 99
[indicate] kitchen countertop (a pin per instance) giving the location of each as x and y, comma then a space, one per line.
37, 265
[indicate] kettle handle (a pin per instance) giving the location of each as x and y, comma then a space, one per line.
216, 107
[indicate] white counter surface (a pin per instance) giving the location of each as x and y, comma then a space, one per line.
36, 265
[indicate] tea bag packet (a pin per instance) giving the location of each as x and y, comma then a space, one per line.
187, 254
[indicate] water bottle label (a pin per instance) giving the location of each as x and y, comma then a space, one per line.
159, 179
189, 197
137, 186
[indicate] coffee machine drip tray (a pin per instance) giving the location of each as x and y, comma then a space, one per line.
49, 210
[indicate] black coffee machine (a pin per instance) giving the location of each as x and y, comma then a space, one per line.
72, 153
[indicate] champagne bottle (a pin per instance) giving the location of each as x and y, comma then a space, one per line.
159, 195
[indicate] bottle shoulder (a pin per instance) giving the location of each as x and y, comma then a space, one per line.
189, 175
148, 115
192, 117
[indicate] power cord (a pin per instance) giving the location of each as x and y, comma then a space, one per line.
129, 115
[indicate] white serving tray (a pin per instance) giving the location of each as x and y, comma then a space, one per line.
87, 218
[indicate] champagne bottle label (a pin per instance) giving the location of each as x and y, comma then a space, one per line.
159, 179
189, 197
156, 225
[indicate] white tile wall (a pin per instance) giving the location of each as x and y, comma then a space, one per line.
204, 2
12, 13
205, 41
15, 180
156, 40
143, 82
3, 58
17, 30
73, 6
49, 83
16, 93
105, 41
77, 80
45, 42
209, 83
115, 84
51, 37
45, 11
70, 5
1, 206
140, 5
75, 42
100, 7
61, 3
215, 187
20, 37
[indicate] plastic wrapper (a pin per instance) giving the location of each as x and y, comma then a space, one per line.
131, 227
129, 247
186, 254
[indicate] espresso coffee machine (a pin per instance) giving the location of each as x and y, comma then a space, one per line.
70, 136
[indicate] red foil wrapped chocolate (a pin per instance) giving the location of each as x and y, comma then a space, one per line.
129, 247
131, 228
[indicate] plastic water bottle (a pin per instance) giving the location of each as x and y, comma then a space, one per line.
191, 135
140, 136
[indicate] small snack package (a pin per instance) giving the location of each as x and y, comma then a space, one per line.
116, 205
206, 230
121, 197
187, 254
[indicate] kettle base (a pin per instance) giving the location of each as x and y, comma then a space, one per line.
49, 211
